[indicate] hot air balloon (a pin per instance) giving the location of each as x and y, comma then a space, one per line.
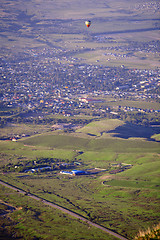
88, 23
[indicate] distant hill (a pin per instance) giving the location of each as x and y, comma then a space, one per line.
96, 128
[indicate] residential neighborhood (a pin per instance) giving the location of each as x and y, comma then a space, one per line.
36, 85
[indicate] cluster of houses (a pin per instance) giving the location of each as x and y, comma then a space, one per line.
32, 170
34, 87
43, 167
116, 168
74, 172
40, 82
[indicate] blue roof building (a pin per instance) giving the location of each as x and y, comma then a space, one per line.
74, 172
78, 172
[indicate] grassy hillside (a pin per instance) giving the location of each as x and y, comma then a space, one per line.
33, 220
98, 127
124, 202
70, 142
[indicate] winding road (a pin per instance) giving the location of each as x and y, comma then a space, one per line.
63, 210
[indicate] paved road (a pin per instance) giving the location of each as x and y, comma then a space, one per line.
63, 210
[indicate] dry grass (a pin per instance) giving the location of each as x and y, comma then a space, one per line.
153, 233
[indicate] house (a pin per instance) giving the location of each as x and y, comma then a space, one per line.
14, 140
66, 172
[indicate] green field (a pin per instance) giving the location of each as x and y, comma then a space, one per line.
34, 220
124, 202
137, 104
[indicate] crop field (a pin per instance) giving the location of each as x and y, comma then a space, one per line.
125, 202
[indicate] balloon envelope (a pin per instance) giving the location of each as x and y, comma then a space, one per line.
88, 23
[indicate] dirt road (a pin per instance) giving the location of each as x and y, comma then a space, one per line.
63, 210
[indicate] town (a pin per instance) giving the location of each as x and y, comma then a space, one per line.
34, 86
79, 119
